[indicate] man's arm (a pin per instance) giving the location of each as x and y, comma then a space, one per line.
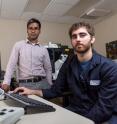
106, 102
48, 67
59, 85
10, 68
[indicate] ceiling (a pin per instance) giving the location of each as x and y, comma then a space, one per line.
59, 11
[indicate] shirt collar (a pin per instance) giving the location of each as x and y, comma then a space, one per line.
95, 60
29, 42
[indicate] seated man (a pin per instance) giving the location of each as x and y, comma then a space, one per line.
91, 78
32, 60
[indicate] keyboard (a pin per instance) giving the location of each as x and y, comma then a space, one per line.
30, 103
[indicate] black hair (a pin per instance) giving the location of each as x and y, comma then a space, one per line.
34, 20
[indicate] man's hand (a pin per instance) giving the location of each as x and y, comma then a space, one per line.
5, 87
26, 91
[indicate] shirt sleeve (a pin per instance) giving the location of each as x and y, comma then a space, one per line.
58, 86
107, 96
48, 67
11, 65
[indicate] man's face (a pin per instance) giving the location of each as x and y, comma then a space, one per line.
81, 40
33, 31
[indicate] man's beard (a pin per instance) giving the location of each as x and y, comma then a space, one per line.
82, 51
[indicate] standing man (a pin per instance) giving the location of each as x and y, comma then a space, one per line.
91, 78
32, 60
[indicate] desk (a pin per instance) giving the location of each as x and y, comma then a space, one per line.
60, 116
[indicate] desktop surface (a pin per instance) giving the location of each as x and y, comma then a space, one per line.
60, 116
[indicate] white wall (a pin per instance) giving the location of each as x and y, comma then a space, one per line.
12, 31
106, 31
55, 33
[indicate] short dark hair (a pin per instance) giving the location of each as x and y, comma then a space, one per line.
77, 25
34, 20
